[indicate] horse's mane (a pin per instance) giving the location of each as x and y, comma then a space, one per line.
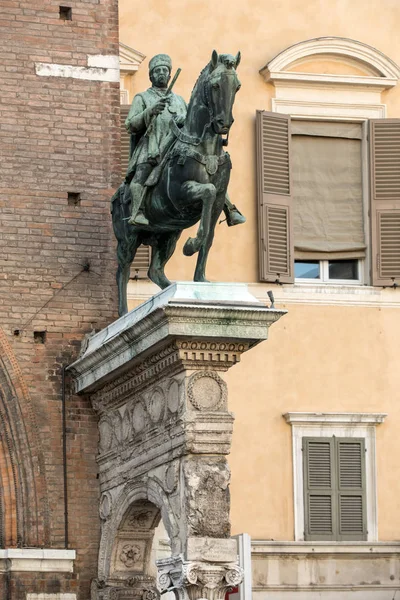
199, 82
223, 59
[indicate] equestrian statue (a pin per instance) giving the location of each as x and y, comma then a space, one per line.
178, 172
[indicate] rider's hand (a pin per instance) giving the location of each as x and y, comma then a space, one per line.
179, 120
159, 106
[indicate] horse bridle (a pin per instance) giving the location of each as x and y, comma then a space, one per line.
190, 139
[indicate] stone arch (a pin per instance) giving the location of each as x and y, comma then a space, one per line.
133, 513
24, 514
380, 70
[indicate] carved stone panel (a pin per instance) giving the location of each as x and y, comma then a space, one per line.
207, 499
207, 391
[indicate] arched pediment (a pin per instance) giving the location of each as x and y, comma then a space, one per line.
362, 65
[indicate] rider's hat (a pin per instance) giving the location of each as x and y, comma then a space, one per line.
160, 60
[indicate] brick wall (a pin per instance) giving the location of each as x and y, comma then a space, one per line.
57, 136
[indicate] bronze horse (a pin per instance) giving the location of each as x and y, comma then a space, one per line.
192, 183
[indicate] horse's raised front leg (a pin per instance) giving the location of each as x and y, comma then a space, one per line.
200, 272
206, 193
163, 249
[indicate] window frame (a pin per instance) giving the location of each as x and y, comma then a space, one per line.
333, 104
365, 276
341, 425
334, 491
324, 270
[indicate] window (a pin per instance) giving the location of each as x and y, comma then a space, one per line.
334, 471
311, 188
334, 271
334, 489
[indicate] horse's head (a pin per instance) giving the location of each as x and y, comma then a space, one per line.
220, 88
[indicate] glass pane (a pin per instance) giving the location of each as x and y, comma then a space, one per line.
307, 269
343, 269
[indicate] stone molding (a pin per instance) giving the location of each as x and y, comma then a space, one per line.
321, 294
99, 68
318, 419
181, 311
58, 596
383, 72
129, 59
35, 560
272, 547
336, 570
332, 110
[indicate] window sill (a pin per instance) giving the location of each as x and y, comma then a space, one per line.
296, 293
327, 294
276, 547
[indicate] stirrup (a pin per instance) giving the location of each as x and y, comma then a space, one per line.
138, 219
234, 217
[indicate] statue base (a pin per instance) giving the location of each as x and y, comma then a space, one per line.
155, 378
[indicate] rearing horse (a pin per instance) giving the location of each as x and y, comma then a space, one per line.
192, 185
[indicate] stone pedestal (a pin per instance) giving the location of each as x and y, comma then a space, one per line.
155, 377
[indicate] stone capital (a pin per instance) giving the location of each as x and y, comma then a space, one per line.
197, 579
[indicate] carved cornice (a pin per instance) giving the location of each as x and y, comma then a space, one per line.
166, 317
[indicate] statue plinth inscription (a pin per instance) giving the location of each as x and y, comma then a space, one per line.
155, 377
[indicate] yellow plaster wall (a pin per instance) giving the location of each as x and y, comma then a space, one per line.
189, 29
318, 358
326, 65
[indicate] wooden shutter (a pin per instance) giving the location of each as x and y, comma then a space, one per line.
334, 489
319, 492
385, 201
352, 518
274, 197
125, 140
141, 262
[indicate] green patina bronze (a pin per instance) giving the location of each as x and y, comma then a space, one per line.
178, 172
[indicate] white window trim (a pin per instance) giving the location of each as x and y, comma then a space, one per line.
324, 272
381, 71
332, 97
353, 425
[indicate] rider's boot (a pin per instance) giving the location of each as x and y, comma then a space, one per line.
137, 216
232, 214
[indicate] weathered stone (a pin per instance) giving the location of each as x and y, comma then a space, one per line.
155, 378
198, 579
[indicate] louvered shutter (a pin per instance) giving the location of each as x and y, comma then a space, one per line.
334, 489
319, 489
125, 140
350, 455
385, 200
141, 262
274, 197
